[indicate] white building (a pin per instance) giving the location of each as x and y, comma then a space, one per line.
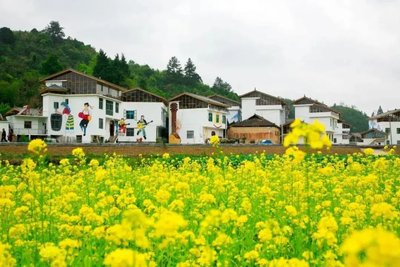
342, 133
81, 108
26, 123
269, 107
309, 110
234, 111
193, 118
64, 97
389, 122
138, 102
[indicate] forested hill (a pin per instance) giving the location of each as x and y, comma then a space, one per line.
358, 120
28, 56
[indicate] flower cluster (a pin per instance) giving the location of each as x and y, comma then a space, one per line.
311, 134
37, 146
227, 210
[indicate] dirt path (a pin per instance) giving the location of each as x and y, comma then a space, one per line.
151, 149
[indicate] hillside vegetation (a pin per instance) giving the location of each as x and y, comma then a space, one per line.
28, 56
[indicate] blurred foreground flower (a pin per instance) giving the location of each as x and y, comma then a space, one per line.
372, 247
37, 146
313, 134
214, 140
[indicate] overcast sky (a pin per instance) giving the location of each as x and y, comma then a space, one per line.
343, 51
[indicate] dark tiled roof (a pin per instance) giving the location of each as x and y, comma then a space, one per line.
201, 98
256, 93
308, 101
112, 85
254, 121
224, 100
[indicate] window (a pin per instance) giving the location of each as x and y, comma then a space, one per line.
398, 130
190, 134
56, 105
116, 107
334, 140
109, 107
66, 101
217, 118
210, 116
130, 131
100, 103
101, 123
28, 124
387, 130
223, 119
130, 114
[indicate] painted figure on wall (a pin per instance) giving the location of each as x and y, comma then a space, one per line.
69, 125
85, 115
122, 126
141, 125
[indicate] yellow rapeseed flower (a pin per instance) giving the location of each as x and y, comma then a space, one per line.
37, 146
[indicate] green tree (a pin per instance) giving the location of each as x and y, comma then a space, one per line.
4, 107
174, 73
55, 31
6, 36
221, 86
51, 65
103, 66
191, 76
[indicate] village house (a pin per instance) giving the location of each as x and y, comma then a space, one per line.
269, 107
309, 110
341, 134
254, 130
80, 107
234, 111
193, 118
136, 103
26, 123
389, 122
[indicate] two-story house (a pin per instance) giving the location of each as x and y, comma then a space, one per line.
80, 107
193, 118
269, 107
309, 110
234, 111
389, 122
137, 103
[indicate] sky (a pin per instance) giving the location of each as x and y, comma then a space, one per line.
334, 51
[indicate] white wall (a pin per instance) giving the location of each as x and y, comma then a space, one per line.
196, 120
4, 125
248, 107
328, 119
17, 122
152, 111
393, 137
273, 113
76, 103
339, 133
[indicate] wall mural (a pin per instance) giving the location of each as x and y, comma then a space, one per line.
85, 115
122, 126
69, 125
141, 125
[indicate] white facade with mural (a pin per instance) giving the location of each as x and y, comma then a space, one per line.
63, 116
197, 117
